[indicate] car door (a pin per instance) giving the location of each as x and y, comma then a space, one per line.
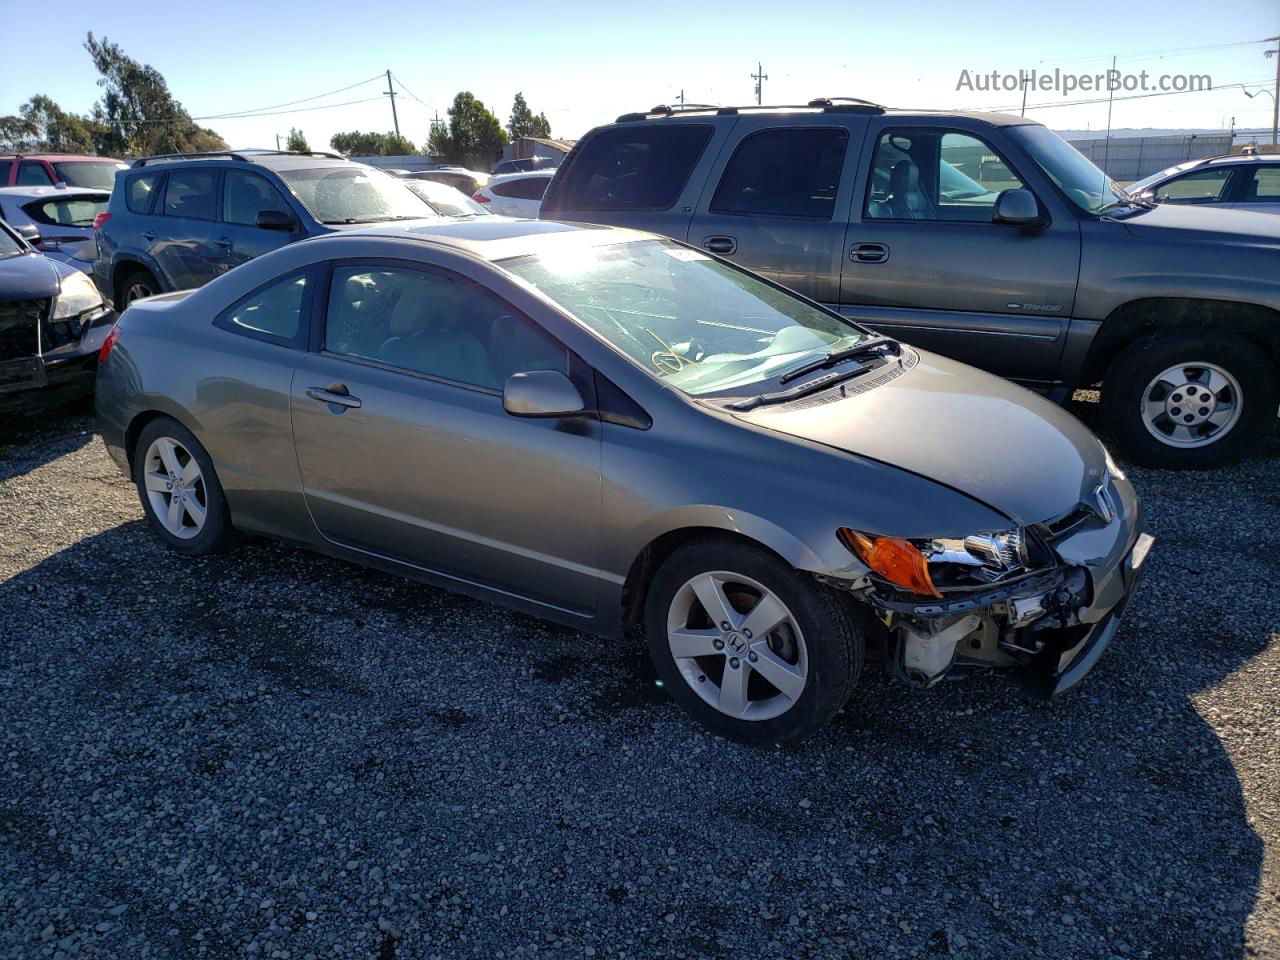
1259, 189
181, 240
245, 194
778, 200
406, 451
926, 263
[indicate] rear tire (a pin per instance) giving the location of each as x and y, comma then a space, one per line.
135, 285
1190, 398
179, 490
777, 683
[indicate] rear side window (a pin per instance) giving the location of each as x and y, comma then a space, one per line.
784, 173
190, 194
527, 188
32, 174
137, 195
66, 212
273, 314
1264, 187
633, 167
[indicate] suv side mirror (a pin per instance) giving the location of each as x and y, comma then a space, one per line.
1018, 207
275, 220
541, 393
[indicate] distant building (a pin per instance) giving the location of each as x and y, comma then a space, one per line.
525, 147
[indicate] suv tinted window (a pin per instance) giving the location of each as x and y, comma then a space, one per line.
189, 193
526, 188
245, 195
632, 167
936, 175
137, 195
32, 174
433, 323
784, 173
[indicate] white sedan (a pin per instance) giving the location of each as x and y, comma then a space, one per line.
515, 194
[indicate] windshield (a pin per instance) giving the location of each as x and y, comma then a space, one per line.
1084, 184
354, 194
445, 200
100, 174
9, 244
696, 323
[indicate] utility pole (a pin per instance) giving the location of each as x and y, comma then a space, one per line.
1275, 98
392, 94
277, 141
1106, 144
681, 96
759, 77
1022, 75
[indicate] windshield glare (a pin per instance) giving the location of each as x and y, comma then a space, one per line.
1084, 184
9, 245
354, 194
445, 200
99, 174
698, 324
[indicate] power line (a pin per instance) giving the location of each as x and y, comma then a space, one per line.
1136, 96
232, 114
412, 95
1168, 52
324, 106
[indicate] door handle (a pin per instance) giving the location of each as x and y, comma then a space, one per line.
148, 235
223, 241
720, 245
336, 393
869, 253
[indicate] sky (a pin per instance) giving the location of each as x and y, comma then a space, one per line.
583, 63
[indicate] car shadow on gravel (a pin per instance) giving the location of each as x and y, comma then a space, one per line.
162, 715
31, 439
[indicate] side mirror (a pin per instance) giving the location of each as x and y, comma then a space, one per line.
1017, 207
541, 393
275, 220
29, 232
1148, 195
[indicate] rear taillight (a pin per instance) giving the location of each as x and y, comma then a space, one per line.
109, 343
100, 219
479, 197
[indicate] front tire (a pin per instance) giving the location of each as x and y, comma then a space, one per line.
1190, 398
135, 285
748, 646
179, 489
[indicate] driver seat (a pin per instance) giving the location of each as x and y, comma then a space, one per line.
906, 201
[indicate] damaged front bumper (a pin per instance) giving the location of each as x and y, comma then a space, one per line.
1051, 625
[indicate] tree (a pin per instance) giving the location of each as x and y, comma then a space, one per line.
523, 123
473, 138
42, 126
357, 144
297, 143
137, 114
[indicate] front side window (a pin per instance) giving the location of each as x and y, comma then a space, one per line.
68, 212
245, 195
792, 172
1203, 186
138, 192
936, 175
698, 324
353, 193
190, 194
633, 167
97, 174
273, 313
526, 188
433, 323
1264, 185
33, 174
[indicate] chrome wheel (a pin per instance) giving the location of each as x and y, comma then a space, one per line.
175, 488
1191, 404
737, 645
137, 290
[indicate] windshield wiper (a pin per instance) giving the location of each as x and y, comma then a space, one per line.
1129, 200
839, 356
816, 385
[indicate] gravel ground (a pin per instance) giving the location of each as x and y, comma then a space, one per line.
274, 754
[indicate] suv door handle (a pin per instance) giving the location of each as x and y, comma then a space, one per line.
223, 241
721, 245
869, 253
148, 235
336, 393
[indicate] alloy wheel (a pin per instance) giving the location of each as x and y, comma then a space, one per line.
137, 290
737, 645
175, 488
1191, 404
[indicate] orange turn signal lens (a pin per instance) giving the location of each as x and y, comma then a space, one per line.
894, 559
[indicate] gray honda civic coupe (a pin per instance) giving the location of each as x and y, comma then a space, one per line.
622, 433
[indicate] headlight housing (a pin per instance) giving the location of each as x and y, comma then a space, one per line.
920, 566
78, 295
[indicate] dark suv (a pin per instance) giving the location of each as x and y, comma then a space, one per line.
981, 236
176, 222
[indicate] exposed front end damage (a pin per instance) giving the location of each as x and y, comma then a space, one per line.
1044, 600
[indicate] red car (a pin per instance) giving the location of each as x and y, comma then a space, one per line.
47, 169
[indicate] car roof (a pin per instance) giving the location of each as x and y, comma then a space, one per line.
824, 105
58, 157
521, 175
272, 159
498, 238
61, 190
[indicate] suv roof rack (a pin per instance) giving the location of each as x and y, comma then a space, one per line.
241, 155
825, 104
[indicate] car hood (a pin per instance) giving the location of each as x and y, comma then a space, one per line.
29, 276
985, 437
1203, 224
